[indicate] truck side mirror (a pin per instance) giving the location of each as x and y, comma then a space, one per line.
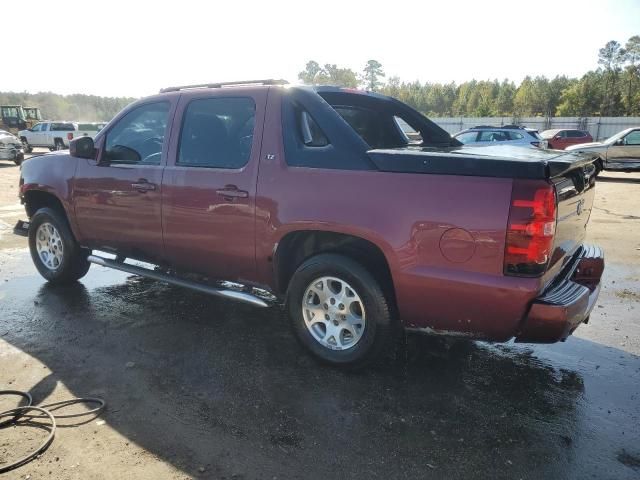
82, 147
620, 141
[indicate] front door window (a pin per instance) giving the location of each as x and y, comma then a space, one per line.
139, 136
632, 138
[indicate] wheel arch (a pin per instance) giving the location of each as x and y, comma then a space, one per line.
297, 246
35, 199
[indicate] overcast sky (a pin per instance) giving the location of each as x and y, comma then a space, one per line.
133, 48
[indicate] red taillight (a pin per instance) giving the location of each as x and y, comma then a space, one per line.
532, 225
69, 136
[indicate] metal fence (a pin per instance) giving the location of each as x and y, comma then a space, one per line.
599, 127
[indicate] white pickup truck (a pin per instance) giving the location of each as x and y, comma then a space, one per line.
56, 135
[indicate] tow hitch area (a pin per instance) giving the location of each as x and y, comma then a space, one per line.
21, 228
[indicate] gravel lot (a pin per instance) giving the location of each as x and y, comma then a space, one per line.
201, 388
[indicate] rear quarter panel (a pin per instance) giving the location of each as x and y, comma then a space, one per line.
443, 236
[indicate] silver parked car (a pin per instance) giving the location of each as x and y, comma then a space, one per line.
507, 135
10, 147
619, 152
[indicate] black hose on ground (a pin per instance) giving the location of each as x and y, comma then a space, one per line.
26, 395
44, 412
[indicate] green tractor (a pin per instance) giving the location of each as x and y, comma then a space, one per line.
14, 118
32, 116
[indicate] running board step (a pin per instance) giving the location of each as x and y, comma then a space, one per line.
163, 277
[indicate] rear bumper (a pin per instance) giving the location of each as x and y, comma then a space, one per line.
567, 303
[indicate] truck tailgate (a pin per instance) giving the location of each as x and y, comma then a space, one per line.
575, 192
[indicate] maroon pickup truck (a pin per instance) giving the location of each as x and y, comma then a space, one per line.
319, 196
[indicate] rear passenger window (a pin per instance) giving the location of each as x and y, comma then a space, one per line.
489, 136
217, 132
371, 126
62, 127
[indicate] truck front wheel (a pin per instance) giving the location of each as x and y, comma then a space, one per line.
54, 250
339, 312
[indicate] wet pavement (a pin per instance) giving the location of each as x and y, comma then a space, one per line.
199, 387
220, 390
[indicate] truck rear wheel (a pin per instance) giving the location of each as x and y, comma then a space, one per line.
339, 312
58, 144
25, 144
54, 250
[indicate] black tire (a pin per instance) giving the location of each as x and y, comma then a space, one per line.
27, 148
377, 336
19, 159
58, 144
74, 264
599, 166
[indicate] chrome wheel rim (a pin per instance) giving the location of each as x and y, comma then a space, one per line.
333, 313
49, 246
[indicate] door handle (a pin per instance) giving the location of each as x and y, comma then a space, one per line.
229, 192
143, 186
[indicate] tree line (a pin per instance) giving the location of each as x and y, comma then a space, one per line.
87, 108
612, 90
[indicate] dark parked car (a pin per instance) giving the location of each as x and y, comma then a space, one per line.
559, 138
317, 196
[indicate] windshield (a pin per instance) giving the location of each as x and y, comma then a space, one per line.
13, 112
534, 134
547, 134
617, 136
32, 113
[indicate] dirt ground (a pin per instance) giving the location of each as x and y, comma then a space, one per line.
201, 388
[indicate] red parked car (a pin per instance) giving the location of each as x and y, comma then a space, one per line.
318, 196
561, 138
